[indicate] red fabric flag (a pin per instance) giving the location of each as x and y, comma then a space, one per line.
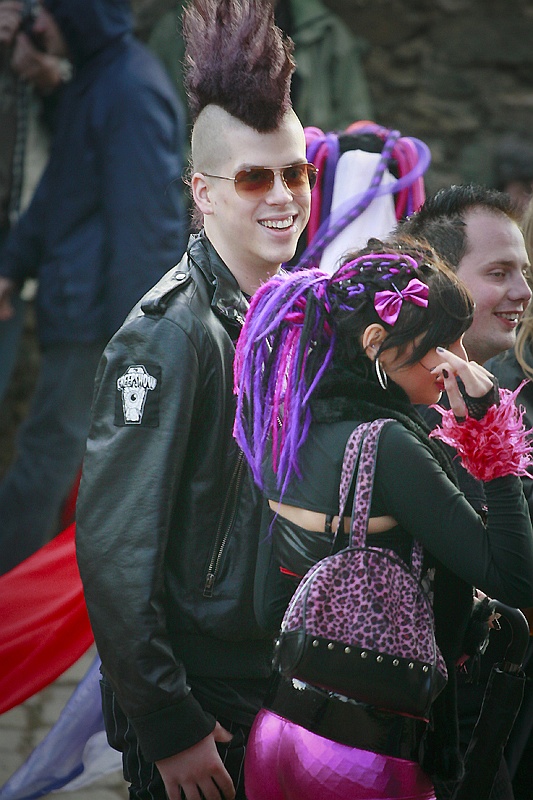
44, 626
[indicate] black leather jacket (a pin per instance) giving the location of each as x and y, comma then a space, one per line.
168, 516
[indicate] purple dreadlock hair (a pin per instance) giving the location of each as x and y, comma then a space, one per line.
237, 58
300, 323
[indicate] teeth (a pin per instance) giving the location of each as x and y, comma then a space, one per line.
512, 316
280, 224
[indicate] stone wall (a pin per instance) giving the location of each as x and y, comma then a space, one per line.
456, 73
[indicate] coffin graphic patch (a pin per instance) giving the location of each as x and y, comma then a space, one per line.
137, 401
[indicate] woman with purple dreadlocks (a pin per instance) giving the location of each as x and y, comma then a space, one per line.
318, 356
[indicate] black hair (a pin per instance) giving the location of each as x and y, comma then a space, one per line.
441, 220
448, 315
303, 327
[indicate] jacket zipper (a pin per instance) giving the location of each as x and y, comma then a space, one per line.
222, 537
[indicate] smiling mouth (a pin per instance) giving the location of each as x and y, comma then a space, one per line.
278, 224
509, 316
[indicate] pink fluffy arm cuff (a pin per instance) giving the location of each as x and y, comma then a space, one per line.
491, 447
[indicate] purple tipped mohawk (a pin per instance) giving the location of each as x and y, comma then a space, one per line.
238, 59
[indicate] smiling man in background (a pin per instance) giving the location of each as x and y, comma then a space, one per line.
476, 230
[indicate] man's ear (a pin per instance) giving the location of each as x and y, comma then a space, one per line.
201, 193
372, 338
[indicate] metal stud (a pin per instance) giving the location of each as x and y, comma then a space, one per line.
395, 662
347, 650
425, 668
379, 659
364, 654
315, 642
331, 646
411, 665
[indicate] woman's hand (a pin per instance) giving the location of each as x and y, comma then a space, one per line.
478, 382
492, 621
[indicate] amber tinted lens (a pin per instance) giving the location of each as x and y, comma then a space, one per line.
254, 182
300, 178
258, 181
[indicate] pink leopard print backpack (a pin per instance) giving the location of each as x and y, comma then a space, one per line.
360, 623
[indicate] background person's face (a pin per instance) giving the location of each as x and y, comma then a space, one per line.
494, 270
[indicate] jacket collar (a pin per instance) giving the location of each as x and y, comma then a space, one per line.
228, 300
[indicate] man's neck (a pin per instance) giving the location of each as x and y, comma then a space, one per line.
249, 280
478, 356
249, 277
477, 353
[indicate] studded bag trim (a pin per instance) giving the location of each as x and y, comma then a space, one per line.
360, 622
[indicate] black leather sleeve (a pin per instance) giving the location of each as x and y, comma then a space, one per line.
122, 527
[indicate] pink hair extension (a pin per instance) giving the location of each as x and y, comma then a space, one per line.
237, 58
273, 389
493, 446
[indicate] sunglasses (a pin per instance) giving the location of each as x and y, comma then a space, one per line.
255, 182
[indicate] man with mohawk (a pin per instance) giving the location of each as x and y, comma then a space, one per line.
168, 517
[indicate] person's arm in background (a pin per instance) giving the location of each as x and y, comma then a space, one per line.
45, 73
20, 254
10, 18
139, 163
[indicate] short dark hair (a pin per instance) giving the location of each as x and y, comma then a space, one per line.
441, 220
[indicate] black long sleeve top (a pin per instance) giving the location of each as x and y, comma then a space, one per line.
411, 487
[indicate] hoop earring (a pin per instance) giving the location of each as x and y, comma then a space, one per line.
381, 375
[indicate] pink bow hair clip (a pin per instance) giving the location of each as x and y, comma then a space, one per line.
388, 304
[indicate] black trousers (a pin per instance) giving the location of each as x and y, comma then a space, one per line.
470, 700
519, 750
145, 782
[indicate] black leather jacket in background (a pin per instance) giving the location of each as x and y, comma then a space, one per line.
168, 516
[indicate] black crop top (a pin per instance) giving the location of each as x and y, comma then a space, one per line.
411, 487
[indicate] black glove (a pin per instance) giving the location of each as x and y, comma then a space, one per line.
478, 406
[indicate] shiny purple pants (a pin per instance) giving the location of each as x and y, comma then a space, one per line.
287, 762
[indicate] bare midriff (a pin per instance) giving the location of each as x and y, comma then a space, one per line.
315, 521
